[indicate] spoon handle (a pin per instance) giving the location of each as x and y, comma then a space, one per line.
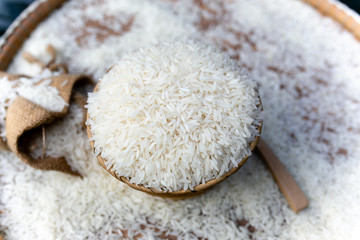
292, 192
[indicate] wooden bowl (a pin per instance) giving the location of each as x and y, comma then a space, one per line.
181, 194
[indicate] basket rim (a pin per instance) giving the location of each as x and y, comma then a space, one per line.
15, 24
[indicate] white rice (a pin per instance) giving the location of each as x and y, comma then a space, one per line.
288, 47
173, 116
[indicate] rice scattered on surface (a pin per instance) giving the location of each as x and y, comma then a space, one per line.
174, 116
130, 24
308, 70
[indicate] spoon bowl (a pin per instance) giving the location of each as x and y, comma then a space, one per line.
180, 194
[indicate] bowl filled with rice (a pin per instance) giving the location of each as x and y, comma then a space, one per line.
174, 119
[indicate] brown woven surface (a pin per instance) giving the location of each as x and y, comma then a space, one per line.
24, 118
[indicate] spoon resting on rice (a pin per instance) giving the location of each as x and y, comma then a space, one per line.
174, 119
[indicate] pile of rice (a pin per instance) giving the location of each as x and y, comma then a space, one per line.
173, 116
307, 69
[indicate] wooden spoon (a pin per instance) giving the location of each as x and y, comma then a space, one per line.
292, 192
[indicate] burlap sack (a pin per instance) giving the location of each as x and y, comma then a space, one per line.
3, 145
25, 119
